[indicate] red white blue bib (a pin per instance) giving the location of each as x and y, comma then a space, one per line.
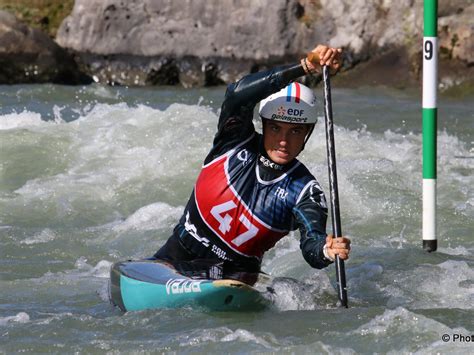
246, 213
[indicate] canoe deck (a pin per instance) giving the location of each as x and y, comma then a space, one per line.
155, 284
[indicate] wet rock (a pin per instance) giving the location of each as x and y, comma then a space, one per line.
456, 37
126, 69
29, 56
390, 68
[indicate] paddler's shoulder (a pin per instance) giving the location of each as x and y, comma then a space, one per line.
299, 170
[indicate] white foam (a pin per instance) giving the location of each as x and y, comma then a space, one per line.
404, 331
315, 292
317, 347
447, 289
277, 260
21, 317
52, 317
23, 119
224, 334
446, 285
150, 217
116, 153
459, 250
101, 91
100, 270
246, 336
31, 120
82, 271
45, 236
393, 322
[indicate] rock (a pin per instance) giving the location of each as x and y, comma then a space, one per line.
204, 41
451, 7
367, 28
253, 31
390, 68
242, 29
456, 35
29, 56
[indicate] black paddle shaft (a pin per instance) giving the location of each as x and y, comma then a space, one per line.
334, 194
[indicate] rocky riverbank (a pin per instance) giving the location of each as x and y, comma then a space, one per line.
206, 42
28, 55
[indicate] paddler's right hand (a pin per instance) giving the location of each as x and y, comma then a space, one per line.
322, 55
337, 246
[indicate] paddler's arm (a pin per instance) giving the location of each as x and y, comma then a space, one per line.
235, 120
310, 215
242, 96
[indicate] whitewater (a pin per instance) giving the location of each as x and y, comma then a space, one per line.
91, 175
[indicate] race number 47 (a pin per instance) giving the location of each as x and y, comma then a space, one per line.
219, 212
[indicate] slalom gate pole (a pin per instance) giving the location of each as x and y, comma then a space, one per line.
430, 112
334, 193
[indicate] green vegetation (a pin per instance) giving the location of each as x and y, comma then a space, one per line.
46, 15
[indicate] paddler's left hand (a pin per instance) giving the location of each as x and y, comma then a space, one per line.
322, 55
340, 246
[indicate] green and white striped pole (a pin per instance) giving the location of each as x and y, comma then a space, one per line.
430, 83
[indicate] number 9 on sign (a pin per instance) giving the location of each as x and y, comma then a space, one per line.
428, 50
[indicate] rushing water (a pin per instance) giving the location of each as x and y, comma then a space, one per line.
93, 175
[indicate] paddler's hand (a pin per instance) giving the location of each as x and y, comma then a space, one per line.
340, 246
322, 55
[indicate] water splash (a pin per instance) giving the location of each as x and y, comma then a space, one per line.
21, 317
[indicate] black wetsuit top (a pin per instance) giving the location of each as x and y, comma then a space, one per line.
235, 145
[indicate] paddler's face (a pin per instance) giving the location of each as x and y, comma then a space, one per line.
283, 141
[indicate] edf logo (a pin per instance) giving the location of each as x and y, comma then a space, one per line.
295, 112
